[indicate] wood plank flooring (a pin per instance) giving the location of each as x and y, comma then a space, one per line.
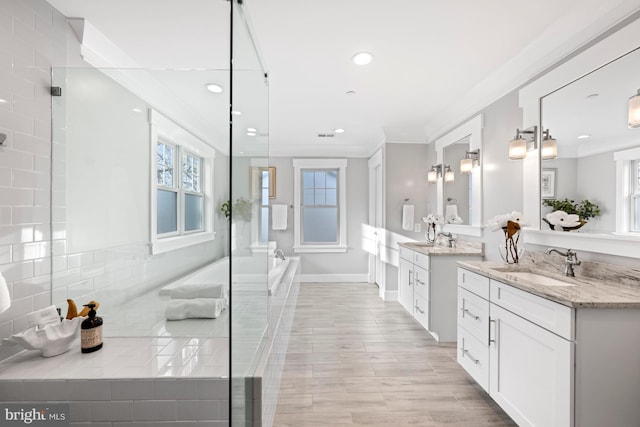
354, 359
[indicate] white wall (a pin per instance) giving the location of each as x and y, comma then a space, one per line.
502, 178
352, 265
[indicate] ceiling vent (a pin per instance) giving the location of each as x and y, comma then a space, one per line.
326, 135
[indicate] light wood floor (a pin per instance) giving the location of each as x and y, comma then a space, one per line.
354, 359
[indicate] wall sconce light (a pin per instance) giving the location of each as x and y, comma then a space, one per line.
525, 140
470, 161
634, 111
434, 173
449, 176
549, 146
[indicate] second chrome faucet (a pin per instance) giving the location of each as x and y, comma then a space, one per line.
571, 259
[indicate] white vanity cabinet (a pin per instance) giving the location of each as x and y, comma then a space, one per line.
428, 289
548, 364
519, 348
413, 284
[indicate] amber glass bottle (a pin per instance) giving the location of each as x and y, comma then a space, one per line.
91, 331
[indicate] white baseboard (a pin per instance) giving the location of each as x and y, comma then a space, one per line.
333, 278
390, 296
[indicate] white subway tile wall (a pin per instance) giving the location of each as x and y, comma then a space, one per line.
32, 36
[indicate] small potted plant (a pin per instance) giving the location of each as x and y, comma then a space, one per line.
568, 215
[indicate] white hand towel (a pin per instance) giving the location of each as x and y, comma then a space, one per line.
196, 290
43, 317
5, 298
407, 217
279, 217
198, 308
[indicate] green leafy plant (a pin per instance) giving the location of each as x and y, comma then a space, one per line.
241, 209
584, 209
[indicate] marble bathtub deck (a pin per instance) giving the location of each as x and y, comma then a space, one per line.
354, 359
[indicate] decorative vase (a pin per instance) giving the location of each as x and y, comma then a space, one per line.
509, 250
561, 228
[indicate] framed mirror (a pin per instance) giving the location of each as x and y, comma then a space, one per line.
587, 97
588, 120
461, 197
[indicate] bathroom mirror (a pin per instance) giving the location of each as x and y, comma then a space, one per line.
465, 191
588, 119
456, 192
610, 56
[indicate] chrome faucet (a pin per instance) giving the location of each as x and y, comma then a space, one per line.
449, 237
571, 259
279, 253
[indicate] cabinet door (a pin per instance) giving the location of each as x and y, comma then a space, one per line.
405, 284
531, 371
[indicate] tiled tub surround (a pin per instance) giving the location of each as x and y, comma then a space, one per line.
162, 381
129, 382
554, 355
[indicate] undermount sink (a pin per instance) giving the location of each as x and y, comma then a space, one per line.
536, 278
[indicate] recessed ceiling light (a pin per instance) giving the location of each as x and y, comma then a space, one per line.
3, 101
251, 134
338, 130
214, 88
236, 112
137, 110
350, 92
252, 130
593, 95
585, 136
362, 58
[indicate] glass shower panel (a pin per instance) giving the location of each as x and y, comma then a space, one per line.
140, 161
249, 219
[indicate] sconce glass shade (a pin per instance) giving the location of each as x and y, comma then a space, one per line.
432, 176
449, 176
517, 149
466, 165
634, 111
549, 149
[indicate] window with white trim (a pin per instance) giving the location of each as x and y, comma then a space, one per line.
181, 187
635, 196
180, 207
320, 215
628, 190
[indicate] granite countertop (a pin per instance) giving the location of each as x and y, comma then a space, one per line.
595, 286
460, 248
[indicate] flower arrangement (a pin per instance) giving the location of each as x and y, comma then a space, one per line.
432, 220
569, 215
510, 224
241, 209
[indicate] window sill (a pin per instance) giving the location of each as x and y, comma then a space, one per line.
172, 243
320, 249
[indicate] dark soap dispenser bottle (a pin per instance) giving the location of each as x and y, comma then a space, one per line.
91, 331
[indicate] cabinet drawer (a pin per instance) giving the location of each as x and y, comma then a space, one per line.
421, 311
550, 315
473, 315
474, 282
421, 282
421, 260
474, 357
406, 254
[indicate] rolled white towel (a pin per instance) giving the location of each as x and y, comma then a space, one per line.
196, 308
43, 317
195, 290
